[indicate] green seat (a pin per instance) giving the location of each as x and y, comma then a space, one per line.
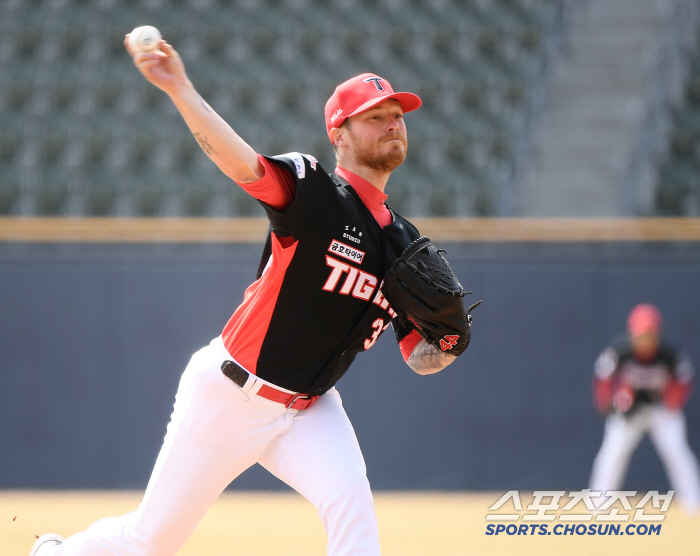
147, 193
9, 191
10, 143
100, 195
52, 194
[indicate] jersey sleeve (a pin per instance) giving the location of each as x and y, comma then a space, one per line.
677, 392
304, 171
400, 329
406, 336
276, 188
409, 343
602, 394
603, 371
684, 373
606, 364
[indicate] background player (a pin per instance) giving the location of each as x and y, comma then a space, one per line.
641, 382
264, 391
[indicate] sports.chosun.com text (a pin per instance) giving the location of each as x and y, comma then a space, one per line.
574, 529
615, 512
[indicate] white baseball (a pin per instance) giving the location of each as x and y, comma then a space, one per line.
144, 39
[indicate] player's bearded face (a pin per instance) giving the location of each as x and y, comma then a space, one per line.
378, 139
383, 154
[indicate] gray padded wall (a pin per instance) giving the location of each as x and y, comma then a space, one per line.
93, 339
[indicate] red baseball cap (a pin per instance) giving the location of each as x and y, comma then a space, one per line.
362, 93
644, 318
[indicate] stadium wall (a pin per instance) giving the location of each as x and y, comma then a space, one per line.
94, 336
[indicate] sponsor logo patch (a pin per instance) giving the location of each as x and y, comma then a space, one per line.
312, 160
298, 160
298, 163
347, 252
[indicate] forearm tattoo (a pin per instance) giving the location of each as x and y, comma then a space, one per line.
202, 140
426, 359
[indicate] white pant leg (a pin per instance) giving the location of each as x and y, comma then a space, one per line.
321, 459
668, 433
216, 432
622, 436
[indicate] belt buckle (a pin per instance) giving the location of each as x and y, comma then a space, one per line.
296, 397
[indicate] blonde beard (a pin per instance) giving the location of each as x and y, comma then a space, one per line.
387, 162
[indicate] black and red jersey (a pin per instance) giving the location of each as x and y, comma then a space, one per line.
648, 380
317, 300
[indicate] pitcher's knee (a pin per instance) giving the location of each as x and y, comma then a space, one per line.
347, 494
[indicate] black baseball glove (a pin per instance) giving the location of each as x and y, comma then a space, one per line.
425, 293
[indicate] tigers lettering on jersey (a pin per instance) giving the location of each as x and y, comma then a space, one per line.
357, 282
645, 377
361, 283
347, 252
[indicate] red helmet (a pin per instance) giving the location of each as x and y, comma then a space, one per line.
644, 318
361, 93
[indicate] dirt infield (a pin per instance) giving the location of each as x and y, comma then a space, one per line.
284, 524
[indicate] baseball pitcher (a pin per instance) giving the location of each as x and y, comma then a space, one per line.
264, 389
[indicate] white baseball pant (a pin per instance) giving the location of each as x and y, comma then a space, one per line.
667, 430
218, 430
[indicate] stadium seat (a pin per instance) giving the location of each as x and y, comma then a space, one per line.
267, 66
10, 142
19, 93
72, 40
51, 148
95, 151
26, 40
100, 196
679, 174
215, 40
106, 94
147, 193
115, 41
52, 193
9, 193
62, 94
262, 40
197, 199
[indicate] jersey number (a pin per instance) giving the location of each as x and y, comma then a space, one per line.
379, 327
448, 342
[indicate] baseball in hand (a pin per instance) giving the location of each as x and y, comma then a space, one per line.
144, 39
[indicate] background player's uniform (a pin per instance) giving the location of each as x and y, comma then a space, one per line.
644, 398
316, 304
